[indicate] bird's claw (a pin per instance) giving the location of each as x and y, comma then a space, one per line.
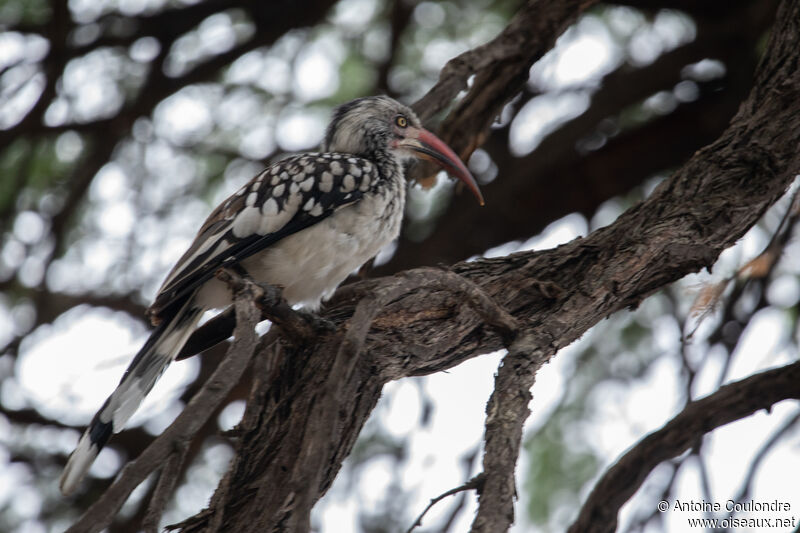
320, 324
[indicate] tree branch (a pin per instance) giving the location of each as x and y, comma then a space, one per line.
506, 413
167, 479
731, 402
530, 34
476, 483
500, 69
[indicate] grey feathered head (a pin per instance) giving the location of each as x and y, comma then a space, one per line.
365, 124
374, 125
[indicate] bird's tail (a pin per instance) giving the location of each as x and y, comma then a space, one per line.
158, 352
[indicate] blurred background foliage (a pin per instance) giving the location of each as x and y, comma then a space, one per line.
123, 122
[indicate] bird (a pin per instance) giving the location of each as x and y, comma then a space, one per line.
304, 223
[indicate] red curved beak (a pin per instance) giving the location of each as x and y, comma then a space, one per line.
430, 147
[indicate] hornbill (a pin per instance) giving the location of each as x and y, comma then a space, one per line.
304, 224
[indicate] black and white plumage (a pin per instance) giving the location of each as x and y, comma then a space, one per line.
305, 223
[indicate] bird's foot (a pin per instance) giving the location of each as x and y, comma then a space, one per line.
320, 324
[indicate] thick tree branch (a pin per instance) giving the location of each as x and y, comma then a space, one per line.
682, 227
500, 69
731, 402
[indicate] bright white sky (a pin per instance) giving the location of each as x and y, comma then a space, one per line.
82, 356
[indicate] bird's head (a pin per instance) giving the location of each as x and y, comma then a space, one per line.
379, 124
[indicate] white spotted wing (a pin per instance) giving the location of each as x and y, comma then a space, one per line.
287, 197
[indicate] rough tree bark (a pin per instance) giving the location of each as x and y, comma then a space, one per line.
313, 392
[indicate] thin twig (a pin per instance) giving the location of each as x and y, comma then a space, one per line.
474, 483
167, 480
762, 453
705, 482
468, 462
766, 261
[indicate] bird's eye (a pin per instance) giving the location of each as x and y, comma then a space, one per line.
401, 121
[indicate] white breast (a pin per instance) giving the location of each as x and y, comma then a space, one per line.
311, 263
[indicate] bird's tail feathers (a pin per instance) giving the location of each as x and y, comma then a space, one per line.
150, 362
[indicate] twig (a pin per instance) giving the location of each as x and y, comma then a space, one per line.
731, 402
474, 483
468, 462
705, 483
759, 457
167, 480
758, 268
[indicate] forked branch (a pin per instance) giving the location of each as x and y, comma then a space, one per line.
731, 402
